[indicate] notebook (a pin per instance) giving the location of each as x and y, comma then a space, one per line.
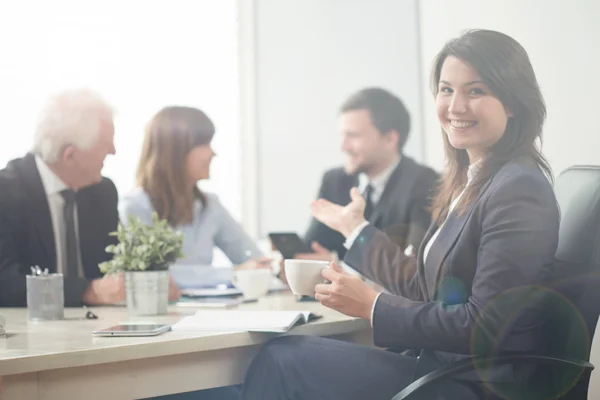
250, 321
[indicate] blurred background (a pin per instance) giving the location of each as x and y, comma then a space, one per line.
272, 75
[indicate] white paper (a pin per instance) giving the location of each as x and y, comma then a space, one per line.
250, 321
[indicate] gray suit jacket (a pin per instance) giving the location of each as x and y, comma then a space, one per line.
476, 293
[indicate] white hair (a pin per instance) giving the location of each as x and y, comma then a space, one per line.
72, 118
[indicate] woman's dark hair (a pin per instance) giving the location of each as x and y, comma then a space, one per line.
170, 135
504, 66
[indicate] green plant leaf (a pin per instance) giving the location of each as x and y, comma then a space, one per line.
143, 247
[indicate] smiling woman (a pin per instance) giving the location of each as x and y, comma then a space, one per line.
470, 114
488, 103
472, 288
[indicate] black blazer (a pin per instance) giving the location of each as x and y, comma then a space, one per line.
474, 294
27, 238
402, 212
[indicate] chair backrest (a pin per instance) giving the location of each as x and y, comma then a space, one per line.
575, 309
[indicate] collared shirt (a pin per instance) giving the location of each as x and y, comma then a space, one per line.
211, 226
53, 185
378, 182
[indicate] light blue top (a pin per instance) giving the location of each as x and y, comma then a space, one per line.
212, 225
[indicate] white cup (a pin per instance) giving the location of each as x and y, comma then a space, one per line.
253, 283
304, 275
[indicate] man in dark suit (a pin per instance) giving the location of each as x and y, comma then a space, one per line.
56, 209
375, 126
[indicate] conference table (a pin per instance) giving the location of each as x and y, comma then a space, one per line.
56, 360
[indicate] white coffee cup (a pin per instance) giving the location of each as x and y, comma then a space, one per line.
253, 283
304, 275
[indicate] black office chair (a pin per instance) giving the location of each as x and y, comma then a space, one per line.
573, 304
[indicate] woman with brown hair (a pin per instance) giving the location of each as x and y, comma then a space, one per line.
176, 154
474, 287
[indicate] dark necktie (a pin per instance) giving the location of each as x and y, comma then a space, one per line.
72, 260
367, 194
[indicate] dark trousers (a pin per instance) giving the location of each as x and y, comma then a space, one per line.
313, 368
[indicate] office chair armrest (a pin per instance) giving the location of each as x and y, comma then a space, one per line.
470, 364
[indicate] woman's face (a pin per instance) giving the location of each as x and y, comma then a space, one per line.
198, 162
472, 117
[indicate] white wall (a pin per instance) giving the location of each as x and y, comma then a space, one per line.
562, 39
184, 54
310, 55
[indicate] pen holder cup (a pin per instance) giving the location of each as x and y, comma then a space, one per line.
45, 297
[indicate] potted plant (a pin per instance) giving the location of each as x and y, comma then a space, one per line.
144, 253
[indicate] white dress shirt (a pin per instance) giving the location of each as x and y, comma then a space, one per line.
378, 182
53, 185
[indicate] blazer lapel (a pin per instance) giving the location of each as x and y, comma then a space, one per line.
453, 226
40, 210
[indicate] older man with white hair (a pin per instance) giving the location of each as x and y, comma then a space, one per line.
56, 209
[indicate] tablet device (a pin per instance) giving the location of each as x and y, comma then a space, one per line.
133, 330
289, 244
